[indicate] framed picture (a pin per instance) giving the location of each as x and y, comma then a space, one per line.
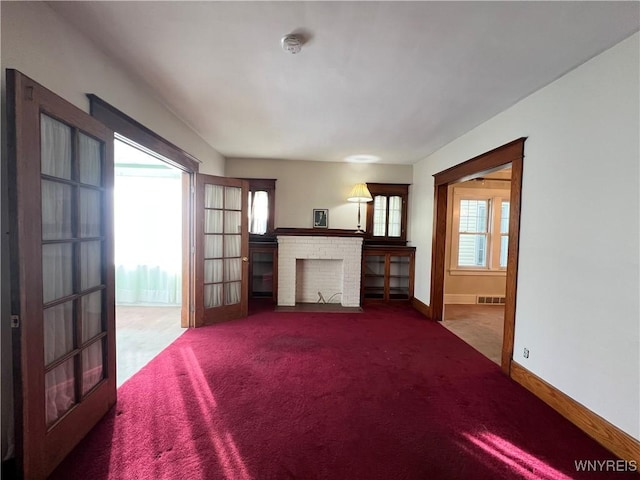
320, 218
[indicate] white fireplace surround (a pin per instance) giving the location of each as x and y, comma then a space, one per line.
292, 248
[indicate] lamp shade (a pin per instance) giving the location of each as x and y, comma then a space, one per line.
359, 193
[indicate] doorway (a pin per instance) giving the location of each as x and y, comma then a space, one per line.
476, 261
510, 154
148, 255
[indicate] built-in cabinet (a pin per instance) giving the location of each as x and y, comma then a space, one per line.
263, 270
387, 273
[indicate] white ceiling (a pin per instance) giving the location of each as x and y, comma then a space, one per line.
393, 79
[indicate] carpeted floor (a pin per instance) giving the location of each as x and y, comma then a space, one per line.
383, 394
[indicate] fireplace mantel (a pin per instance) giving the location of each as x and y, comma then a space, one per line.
317, 232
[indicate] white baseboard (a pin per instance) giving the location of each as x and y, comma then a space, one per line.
459, 299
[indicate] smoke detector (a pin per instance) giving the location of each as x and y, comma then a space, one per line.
291, 43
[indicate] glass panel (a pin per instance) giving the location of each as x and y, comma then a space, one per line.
212, 246
472, 251
56, 210
92, 371
504, 218
213, 196
504, 250
90, 213
90, 264
55, 148
57, 277
232, 269
59, 391
91, 306
258, 212
232, 245
374, 264
213, 295
213, 221
232, 293
395, 215
379, 215
233, 198
232, 222
212, 271
473, 216
90, 159
399, 266
58, 331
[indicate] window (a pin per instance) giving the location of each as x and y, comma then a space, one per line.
262, 196
387, 213
481, 225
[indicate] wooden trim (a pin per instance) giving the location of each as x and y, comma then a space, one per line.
482, 164
317, 232
186, 314
126, 126
511, 153
606, 434
512, 262
421, 307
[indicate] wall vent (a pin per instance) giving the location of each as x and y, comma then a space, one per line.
489, 300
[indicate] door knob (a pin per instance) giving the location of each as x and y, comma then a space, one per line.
245, 259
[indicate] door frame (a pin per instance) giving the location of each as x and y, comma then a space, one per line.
135, 132
496, 159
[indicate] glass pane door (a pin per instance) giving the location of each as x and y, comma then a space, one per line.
73, 283
224, 247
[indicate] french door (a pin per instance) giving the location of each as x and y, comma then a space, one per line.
61, 186
221, 249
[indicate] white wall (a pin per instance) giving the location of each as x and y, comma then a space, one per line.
43, 46
305, 185
39, 43
578, 281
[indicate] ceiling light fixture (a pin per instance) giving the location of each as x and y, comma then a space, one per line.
362, 158
292, 43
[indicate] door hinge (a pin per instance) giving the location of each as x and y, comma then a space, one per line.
15, 321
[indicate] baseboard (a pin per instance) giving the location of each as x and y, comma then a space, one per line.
459, 299
609, 436
423, 308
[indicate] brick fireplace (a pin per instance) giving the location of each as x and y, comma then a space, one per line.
312, 263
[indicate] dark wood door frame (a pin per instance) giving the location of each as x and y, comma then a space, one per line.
496, 159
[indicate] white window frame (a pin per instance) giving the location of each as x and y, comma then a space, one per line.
493, 234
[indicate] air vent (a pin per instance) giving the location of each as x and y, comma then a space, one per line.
486, 300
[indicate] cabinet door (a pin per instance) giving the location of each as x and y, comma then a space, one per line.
375, 276
399, 277
262, 273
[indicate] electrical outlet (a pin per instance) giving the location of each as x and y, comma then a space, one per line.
525, 354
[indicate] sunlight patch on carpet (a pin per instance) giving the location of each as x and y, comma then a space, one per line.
517, 459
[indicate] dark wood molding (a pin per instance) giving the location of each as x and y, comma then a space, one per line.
482, 164
609, 436
126, 126
421, 307
318, 232
510, 154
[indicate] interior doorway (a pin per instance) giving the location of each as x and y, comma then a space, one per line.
476, 261
509, 154
148, 255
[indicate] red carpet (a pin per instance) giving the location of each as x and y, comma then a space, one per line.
383, 394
